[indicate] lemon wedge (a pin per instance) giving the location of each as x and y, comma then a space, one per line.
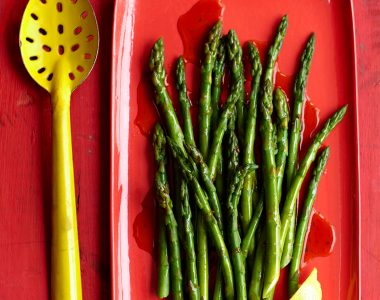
310, 289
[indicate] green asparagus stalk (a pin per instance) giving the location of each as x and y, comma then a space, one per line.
176, 197
272, 263
275, 49
188, 230
273, 226
205, 113
295, 137
228, 110
212, 195
202, 258
217, 77
249, 236
162, 190
299, 96
192, 286
249, 194
233, 230
209, 185
232, 149
162, 98
219, 180
163, 287
292, 194
175, 253
184, 102
235, 54
210, 51
202, 247
218, 288
166, 110
209, 218
257, 276
294, 271
282, 119
232, 165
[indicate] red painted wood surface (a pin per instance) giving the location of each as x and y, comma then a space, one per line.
25, 161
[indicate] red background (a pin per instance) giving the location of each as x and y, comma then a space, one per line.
25, 161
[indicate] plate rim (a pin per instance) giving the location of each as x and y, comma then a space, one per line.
122, 6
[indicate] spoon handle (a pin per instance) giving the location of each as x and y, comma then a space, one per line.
65, 268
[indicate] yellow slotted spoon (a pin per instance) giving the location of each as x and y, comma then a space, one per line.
59, 45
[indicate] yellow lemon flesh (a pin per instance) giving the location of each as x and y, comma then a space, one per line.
310, 289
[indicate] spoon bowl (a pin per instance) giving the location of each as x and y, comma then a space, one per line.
59, 38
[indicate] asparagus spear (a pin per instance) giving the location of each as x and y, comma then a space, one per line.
299, 96
228, 110
218, 287
294, 271
295, 137
184, 102
212, 194
249, 194
256, 283
232, 165
235, 54
192, 276
192, 286
275, 48
176, 197
166, 110
272, 263
292, 194
282, 119
209, 185
249, 236
202, 257
217, 77
212, 224
233, 230
162, 98
233, 150
163, 286
204, 116
210, 51
162, 190
219, 179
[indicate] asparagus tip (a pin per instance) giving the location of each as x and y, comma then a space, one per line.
342, 112
233, 45
283, 24
159, 142
157, 57
180, 73
321, 162
159, 44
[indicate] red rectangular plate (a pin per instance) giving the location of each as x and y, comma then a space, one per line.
332, 83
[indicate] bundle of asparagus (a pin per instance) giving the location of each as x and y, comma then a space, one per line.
251, 224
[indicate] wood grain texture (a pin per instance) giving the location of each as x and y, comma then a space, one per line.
367, 14
25, 161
